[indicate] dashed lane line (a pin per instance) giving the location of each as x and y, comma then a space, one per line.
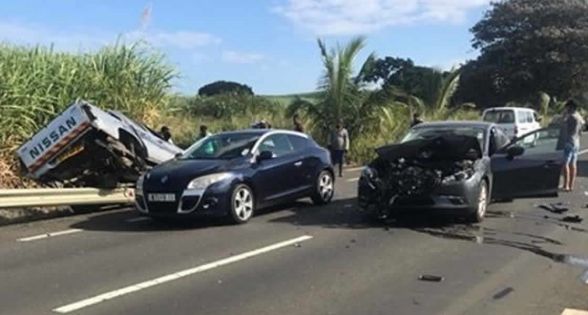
176, 275
353, 180
47, 235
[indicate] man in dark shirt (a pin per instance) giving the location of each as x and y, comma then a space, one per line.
297, 123
416, 119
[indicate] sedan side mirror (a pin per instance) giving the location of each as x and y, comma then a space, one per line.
265, 155
514, 151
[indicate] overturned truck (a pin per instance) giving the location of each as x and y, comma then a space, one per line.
87, 146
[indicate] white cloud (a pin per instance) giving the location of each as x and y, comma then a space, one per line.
241, 57
348, 17
30, 34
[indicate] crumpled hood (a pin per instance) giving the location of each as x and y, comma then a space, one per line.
446, 147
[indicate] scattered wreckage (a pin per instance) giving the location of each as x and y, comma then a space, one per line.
461, 167
87, 146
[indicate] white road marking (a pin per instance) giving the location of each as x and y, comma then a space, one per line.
355, 169
46, 235
176, 275
353, 180
583, 152
569, 311
138, 219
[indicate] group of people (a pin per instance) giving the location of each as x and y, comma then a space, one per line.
165, 133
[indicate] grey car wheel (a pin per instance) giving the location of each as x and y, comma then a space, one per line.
242, 204
479, 209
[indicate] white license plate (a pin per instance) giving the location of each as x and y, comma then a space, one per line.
161, 197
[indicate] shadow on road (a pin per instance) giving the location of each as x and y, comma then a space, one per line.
340, 214
119, 221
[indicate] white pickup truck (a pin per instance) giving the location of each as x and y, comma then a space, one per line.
87, 146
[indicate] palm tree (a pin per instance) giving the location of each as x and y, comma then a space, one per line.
342, 96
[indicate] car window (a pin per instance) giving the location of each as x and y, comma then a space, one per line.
298, 143
530, 117
540, 142
522, 117
502, 116
500, 139
278, 144
222, 146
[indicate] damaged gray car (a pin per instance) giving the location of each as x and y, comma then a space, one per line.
459, 168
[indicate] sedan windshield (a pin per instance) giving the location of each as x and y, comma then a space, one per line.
222, 146
437, 131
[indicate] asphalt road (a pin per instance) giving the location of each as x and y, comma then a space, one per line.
300, 259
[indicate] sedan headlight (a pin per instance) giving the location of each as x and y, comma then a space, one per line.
457, 177
203, 182
139, 185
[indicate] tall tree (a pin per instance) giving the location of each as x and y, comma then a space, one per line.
341, 95
402, 75
224, 87
528, 47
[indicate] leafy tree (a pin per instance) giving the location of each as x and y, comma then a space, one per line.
341, 93
407, 81
224, 87
528, 47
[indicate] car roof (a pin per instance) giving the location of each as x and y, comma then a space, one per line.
456, 123
261, 132
509, 108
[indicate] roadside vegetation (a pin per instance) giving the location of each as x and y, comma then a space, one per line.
375, 101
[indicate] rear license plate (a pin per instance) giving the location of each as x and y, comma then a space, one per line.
69, 153
161, 197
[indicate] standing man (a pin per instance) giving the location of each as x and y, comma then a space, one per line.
571, 130
203, 132
166, 134
416, 119
339, 145
297, 123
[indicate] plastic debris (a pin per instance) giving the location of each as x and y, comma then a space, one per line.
573, 219
431, 278
557, 208
297, 245
503, 293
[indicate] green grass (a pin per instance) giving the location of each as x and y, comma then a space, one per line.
37, 83
288, 98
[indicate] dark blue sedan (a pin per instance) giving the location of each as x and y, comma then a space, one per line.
233, 173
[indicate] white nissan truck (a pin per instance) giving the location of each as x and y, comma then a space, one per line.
87, 146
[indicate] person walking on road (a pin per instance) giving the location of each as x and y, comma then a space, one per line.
297, 123
339, 145
571, 131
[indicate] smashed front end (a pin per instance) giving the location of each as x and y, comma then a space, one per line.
443, 172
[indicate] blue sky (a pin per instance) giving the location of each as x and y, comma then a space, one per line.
267, 44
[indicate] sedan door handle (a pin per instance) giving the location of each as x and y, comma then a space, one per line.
298, 164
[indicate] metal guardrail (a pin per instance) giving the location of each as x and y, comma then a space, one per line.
45, 197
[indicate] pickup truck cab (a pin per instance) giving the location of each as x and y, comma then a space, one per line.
513, 121
87, 146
